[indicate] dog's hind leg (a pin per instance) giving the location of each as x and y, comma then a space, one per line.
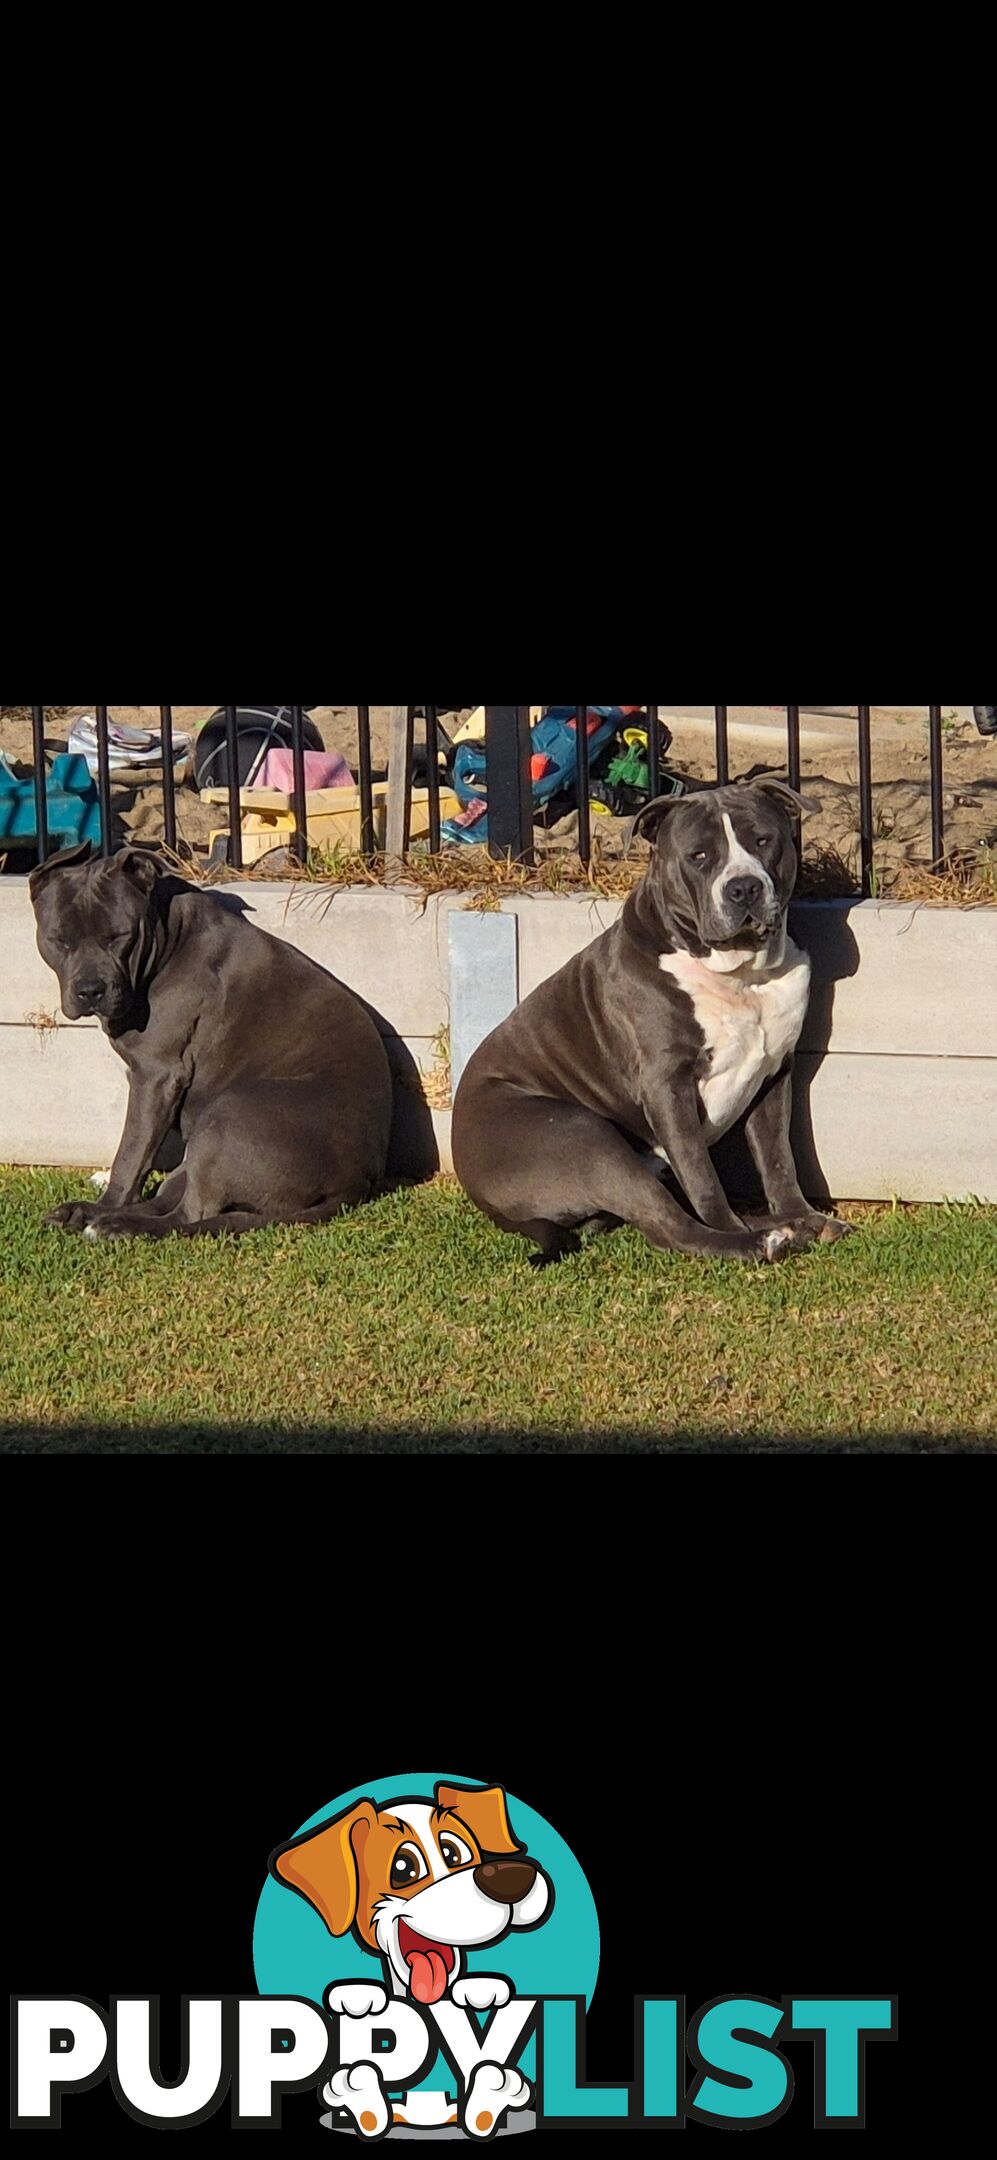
145, 1221
554, 1240
562, 1166
168, 1197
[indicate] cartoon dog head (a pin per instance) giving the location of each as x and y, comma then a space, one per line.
419, 1881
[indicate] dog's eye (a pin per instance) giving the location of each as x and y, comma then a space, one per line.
764, 839
454, 1853
700, 855
407, 1867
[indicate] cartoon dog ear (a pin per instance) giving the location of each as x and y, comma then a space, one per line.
59, 861
797, 803
484, 1812
322, 1866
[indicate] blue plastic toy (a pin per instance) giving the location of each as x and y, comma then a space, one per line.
72, 802
554, 743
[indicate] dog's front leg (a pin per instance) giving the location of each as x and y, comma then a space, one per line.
481, 1991
767, 1133
672, 1112
357, 2087
152, 1110
492, 2089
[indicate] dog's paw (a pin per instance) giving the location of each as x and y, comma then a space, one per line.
356, 1999
491, 2090
775, 1243
107, 1224
358, 2089
72, 1215
481, 1992
810, 1229
832, 1228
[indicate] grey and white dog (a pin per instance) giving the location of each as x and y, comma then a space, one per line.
653, 1042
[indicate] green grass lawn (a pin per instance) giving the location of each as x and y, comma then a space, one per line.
414, 1318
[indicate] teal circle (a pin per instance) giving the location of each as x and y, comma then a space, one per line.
294, 1954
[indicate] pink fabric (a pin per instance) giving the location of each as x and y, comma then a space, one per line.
323, 768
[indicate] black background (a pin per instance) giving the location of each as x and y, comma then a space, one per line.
754, 1733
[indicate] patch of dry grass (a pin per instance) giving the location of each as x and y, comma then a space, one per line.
966, 880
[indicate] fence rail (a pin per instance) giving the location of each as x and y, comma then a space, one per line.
510, 809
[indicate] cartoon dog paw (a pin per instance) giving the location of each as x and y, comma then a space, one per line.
356, 1999
492, 2089
480, 1992
358, 2089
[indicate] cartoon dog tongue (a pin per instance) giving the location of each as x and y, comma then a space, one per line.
428, 1964
429, 1975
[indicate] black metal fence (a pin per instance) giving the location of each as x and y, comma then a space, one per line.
510, 824
510, 808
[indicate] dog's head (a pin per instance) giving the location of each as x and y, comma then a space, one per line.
724, 865
94, 923
419, 1880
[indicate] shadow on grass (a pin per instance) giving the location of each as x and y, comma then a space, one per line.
199, 1439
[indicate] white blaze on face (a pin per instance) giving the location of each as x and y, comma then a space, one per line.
739, 864
417, 1816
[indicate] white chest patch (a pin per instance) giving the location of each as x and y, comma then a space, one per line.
751, 1017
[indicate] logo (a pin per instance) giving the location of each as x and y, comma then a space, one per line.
426, 1950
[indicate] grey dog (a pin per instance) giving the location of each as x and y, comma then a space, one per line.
253, 1071
653, 1042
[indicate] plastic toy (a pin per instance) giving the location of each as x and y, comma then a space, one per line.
554, 765
72, 804
334, 818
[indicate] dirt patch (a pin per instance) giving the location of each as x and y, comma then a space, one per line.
901, 784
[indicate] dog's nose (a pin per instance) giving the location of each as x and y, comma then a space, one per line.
506, 1880
743, 892
89, 995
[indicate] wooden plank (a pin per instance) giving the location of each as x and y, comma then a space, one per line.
396, 837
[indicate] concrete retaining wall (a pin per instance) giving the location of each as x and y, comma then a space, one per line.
898, 1071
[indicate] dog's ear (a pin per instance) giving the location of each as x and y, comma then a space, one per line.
323, 1865
795, 803
138, 864
60, 861
649, 817
484, 1812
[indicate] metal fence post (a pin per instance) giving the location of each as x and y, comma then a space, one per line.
937, 796
103, 779
865, 801
169, 788
41, 798
510, 794
299, 844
